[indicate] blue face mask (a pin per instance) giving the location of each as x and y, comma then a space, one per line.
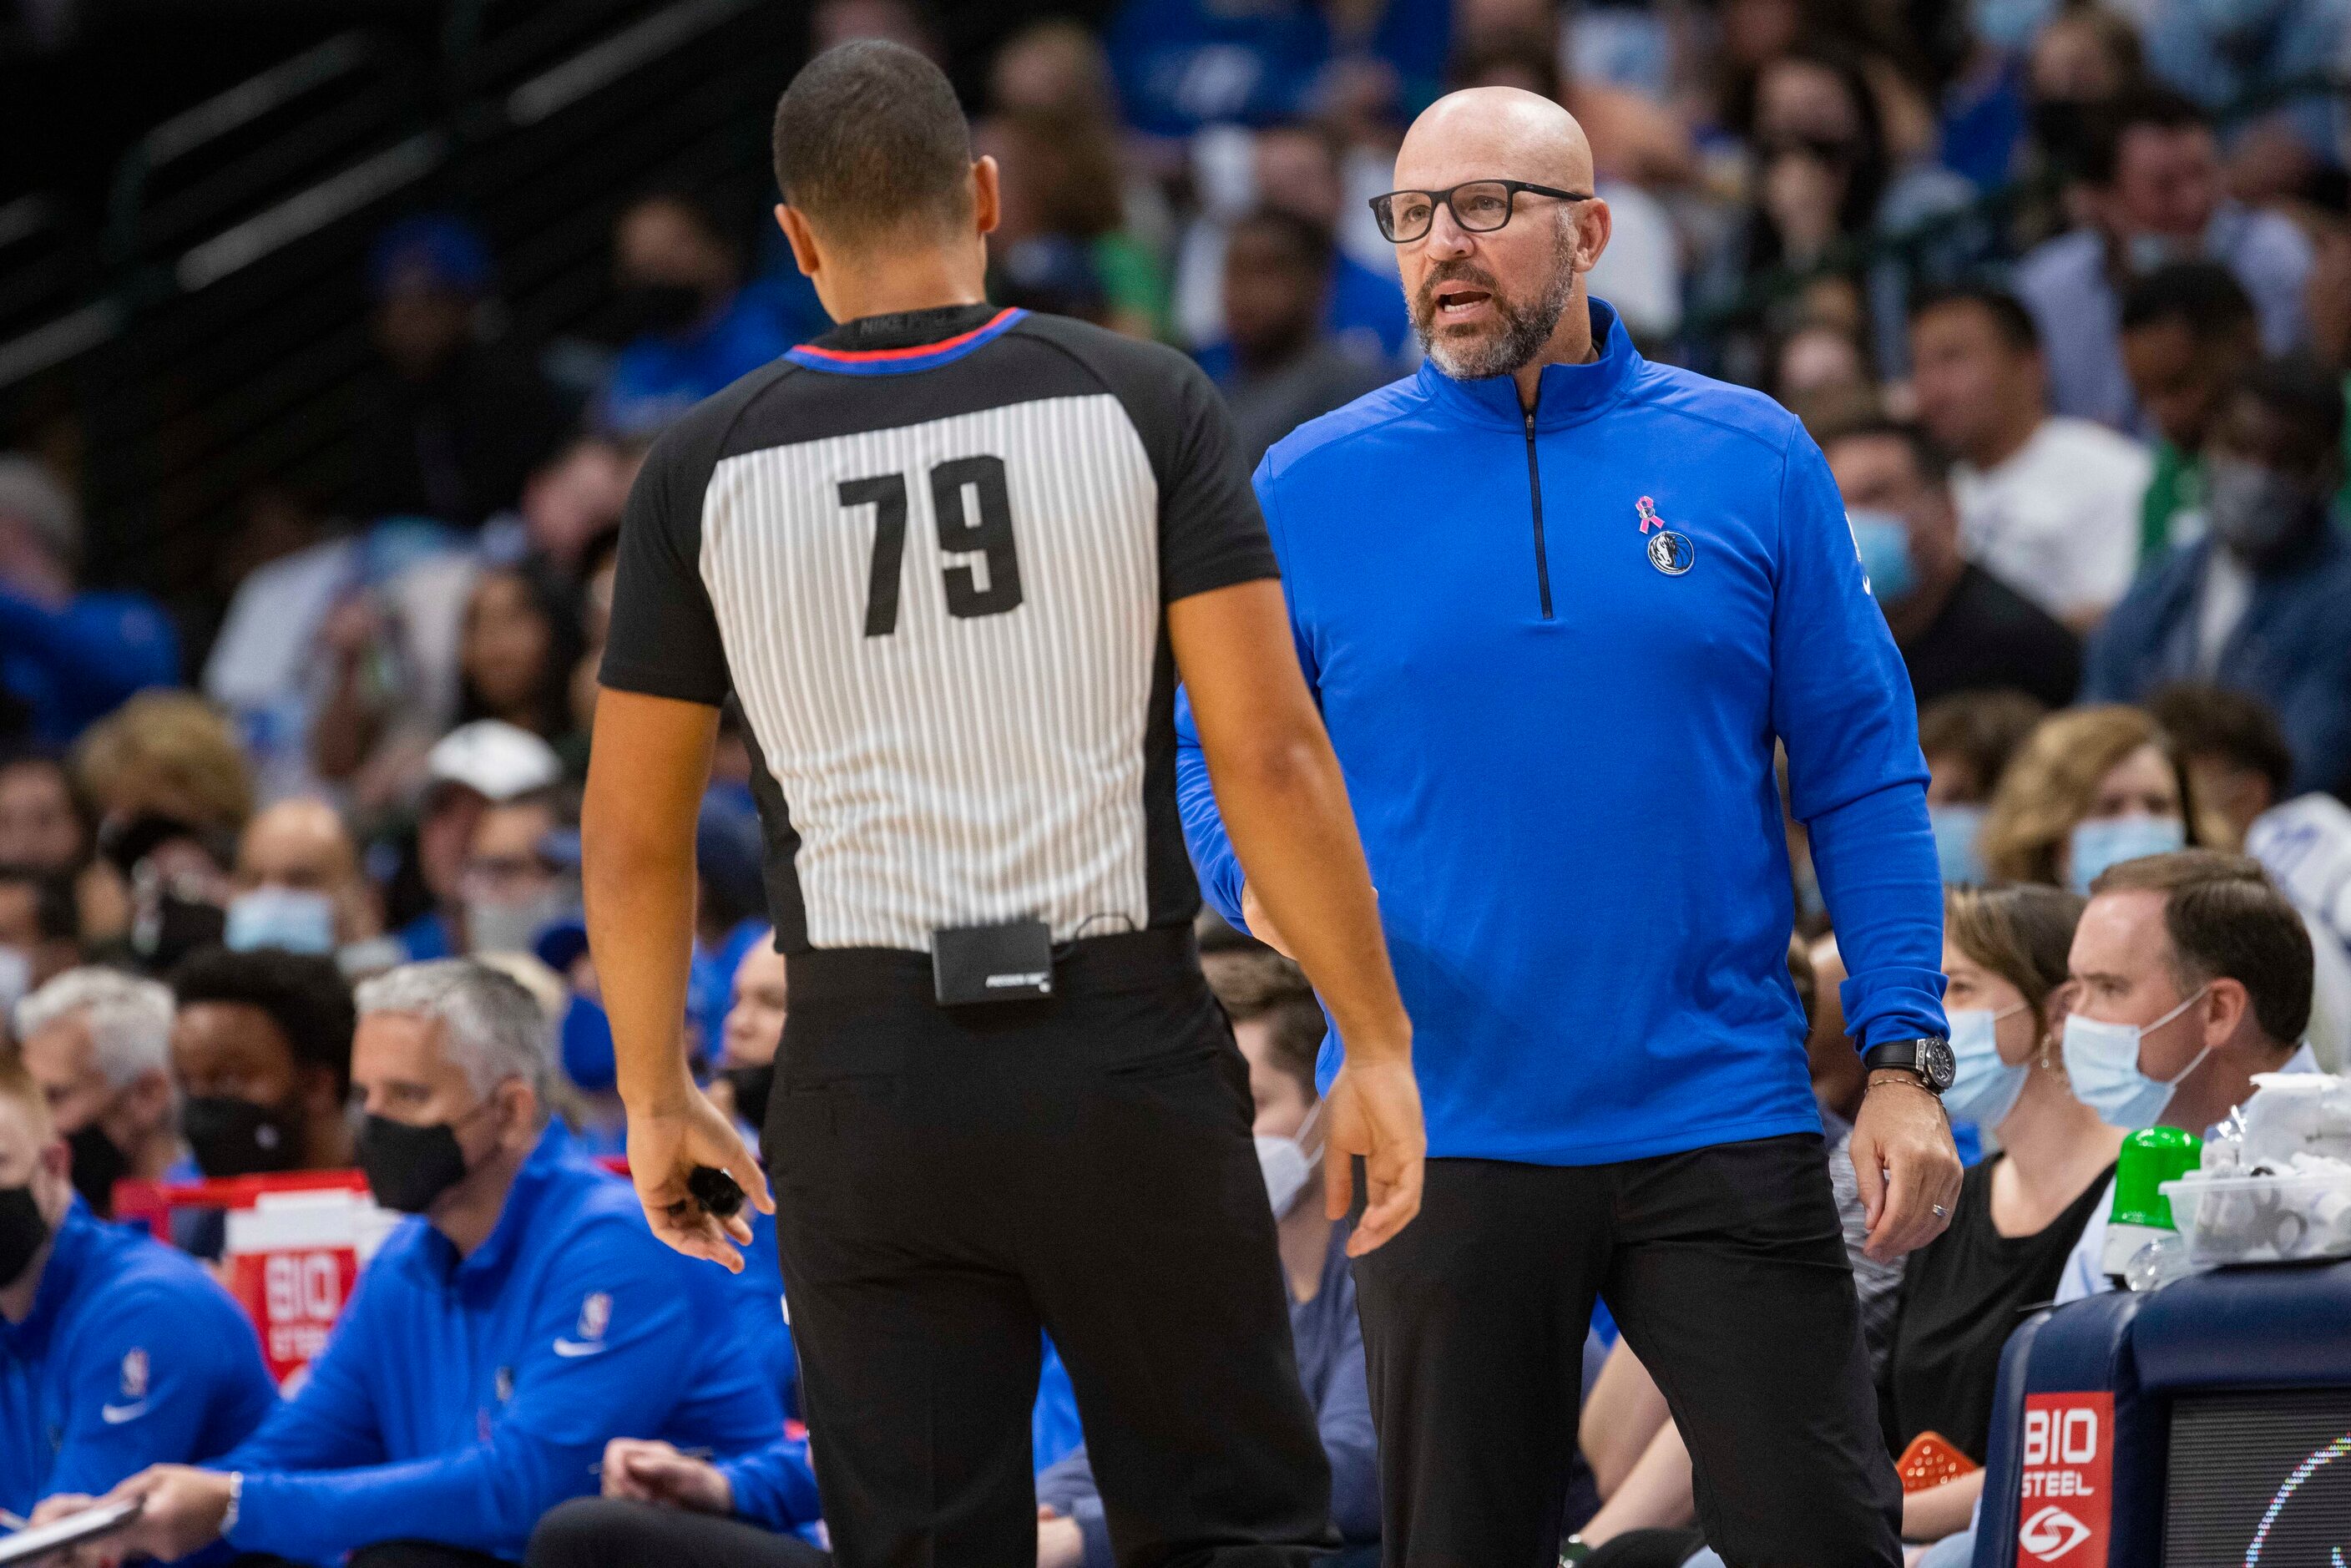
2102, 1060
293, 919
2104, 842
1883, 540
2008, 25
1983, 1087
1958, 831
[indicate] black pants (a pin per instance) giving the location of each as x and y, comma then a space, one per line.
1726, 1269
421, 1555
614, 1532
947, 1184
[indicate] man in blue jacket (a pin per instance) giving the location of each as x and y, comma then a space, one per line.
116, 1352
496, 1343
2261, 604
1558, 604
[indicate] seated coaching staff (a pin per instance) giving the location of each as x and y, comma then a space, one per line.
952, 560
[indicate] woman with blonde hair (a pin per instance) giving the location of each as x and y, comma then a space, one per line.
2090, 788
2019, 1211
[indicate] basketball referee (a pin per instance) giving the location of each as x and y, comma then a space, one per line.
952, 560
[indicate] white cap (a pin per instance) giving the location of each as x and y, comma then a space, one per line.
494, 759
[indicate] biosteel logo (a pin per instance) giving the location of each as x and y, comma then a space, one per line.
2051, 1534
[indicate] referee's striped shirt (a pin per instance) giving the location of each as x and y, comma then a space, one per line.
931, 554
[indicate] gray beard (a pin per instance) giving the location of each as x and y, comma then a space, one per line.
1525, 330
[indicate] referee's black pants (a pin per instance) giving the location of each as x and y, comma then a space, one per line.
1726, 1269
947, 1184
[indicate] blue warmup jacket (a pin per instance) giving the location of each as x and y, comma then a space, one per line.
133, 1355
458, 1400
1560, 754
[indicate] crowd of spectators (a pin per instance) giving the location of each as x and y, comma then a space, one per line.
2062, 290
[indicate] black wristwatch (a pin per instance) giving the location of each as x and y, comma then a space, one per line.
1929, 1056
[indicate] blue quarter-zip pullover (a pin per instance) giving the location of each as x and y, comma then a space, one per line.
133, 1355
1554, 651
459, 1399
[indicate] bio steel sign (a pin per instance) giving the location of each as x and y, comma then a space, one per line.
2066, 1512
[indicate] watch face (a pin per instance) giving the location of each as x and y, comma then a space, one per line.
1935, 1060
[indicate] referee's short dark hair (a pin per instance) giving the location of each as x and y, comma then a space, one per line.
2227, 921
869, 138
304, 994
2009, 317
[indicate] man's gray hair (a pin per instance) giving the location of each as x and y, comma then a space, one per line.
130, 1019
490, 1026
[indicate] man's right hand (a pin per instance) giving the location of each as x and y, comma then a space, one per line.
1260, 924
1373, 1110
645, 1470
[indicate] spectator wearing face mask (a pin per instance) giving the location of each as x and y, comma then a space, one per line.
517, 645
472, 769
2154, 174
2047, 503
298, 883
39, 931
67, 654
173, 788
1968, 741
755, 1027
120, 1352
98, 1041
1960, 628
499, 1338
514, 886
261, 1051
1278, 1027
2090, 788
693, 328
2189, 337
454, 423
2190, 973
2263, 605
2019, 1211
1277, 367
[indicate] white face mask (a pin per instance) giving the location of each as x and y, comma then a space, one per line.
1983, 1087
2102, 1060
1287, 1165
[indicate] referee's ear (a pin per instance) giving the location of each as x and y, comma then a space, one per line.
801, 238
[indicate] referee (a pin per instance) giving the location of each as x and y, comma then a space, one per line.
952, 560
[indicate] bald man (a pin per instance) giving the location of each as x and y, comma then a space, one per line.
298, 882
1559, 607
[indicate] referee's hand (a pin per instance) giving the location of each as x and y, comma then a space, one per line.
1373, 1110
666, 1142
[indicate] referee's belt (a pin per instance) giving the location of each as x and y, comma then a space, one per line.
1123, 961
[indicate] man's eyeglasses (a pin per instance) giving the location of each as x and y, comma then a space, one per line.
1480, 206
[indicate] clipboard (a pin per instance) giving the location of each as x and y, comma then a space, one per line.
26, 1545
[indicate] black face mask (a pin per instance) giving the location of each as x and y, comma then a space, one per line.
753, 1086
22, 1232
234, 1137
98, 1165
665, 309
408, 1167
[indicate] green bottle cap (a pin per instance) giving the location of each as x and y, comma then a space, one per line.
2151, 1156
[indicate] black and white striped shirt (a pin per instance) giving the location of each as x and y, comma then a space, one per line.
931, 554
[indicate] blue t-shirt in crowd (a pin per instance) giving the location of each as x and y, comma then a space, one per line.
658, 377
1183, 64
1558, 738
458, 1399
74, 665
133, 1355
1330, 1344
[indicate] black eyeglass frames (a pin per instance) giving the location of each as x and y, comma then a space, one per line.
1480, 206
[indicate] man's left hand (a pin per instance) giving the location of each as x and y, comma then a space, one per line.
1906, 1165
183, 1512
